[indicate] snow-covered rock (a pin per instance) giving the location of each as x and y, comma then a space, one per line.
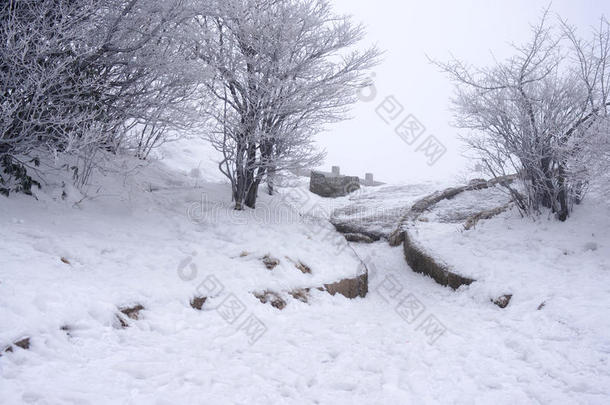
332, 186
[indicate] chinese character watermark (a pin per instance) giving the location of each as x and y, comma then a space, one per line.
406, 126
410, 309
232, 310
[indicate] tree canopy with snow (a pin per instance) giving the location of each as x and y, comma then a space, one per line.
539, 113
283, 70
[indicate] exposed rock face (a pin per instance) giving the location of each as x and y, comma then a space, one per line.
485, 214
270, 262
271, 297
358, 238
301, 294
198, 302
132, 312
452, 205
425, 204
357, 227
503, 301
127, 313
421, 262
332, 186
305, 269
21, 343
350, 288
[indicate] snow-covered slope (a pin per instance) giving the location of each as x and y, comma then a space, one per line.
139, 241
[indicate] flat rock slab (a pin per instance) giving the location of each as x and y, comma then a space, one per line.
376, 212
451, 213
466, 204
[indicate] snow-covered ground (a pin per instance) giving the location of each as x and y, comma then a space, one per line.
409, 341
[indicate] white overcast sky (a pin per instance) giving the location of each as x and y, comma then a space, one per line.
409, 30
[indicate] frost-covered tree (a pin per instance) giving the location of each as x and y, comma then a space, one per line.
282, 70
44, 96
536, 113
590, 150
146, 63
592, 164
78, 76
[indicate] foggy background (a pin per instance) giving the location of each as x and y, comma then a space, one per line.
475, 31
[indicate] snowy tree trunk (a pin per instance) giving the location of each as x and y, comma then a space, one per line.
252, 194
271, 182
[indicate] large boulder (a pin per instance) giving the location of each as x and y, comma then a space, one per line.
332, 185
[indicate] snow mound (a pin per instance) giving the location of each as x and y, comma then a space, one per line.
149, 246
154, 237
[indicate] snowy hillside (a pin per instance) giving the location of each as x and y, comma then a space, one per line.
172, 230
68, 267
